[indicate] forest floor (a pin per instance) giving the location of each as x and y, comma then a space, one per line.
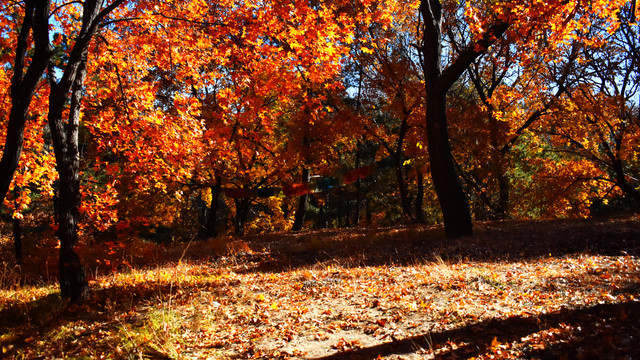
516, 289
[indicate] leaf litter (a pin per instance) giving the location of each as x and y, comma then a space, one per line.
361, 293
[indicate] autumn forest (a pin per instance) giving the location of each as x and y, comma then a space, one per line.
267, 179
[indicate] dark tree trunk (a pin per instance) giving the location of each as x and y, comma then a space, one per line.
242, 211
17, 239
17, 230
502, 211
453, 201
210, 229
356, 212
621, 181
347, 213
322, 218
498, 158
73, 284
23, 85
420, 198
301, 213
405, 201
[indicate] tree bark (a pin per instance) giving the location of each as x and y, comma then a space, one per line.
420, 198
210, 229
356, 213
73, 285
453, 200
17, 239
242, 212
405, 201
621, 180
301, 213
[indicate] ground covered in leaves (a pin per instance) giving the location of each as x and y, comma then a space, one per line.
538, 289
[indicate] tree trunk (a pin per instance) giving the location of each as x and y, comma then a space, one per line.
453, 201
242, 211
347, 212
402, 187
17, 239
302, 204
621, 181
73, 284
498, 158
23, 85
420, 198
321, 223
211, 229
502, 210
356, 214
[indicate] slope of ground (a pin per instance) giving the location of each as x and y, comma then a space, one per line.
535, 289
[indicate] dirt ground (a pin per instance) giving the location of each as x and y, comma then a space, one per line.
516, 289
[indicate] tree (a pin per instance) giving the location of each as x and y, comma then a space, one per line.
596, 128
64, 135
555, 21
453, 202
507, 100
23, 86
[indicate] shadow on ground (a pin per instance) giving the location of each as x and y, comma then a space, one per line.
493, 241
609, 331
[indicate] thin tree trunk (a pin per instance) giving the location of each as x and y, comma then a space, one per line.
402, 187
498, 158
356, 216
301, 213
503, 196
347, 213
242, 212
369, 213
17, 239
23, 85
420, 198
210, 229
